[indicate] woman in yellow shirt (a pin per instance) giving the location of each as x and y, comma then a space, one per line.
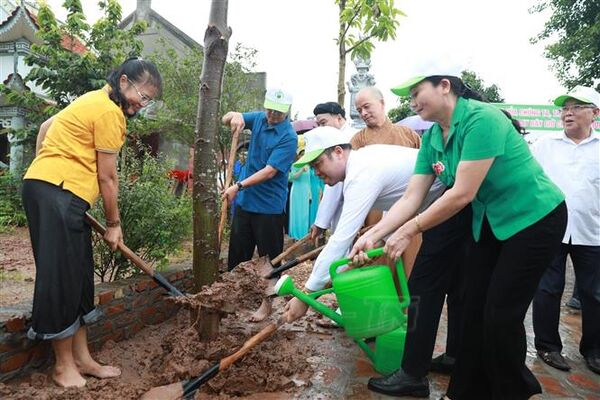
76, 161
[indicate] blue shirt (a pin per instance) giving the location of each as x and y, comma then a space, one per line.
269, 145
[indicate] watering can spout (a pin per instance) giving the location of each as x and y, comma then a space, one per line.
285, 286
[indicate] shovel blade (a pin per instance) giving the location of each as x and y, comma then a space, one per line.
173, 391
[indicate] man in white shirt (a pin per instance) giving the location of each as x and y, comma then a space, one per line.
328, 214
572, 161
374, 176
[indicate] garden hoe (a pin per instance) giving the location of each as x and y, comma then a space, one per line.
187, 389
134, 258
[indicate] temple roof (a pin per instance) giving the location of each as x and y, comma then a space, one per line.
20, 23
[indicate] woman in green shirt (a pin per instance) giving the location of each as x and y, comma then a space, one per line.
519, 218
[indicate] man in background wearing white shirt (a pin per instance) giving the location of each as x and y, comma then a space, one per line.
572, 161
374, 176
330, 114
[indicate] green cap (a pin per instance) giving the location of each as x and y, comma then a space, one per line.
403, 89
278, 100
318, 140
309, 157
581, 93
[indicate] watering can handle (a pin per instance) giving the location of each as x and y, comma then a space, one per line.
370, 253
377, 253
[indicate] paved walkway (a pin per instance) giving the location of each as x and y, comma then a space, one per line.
345, 370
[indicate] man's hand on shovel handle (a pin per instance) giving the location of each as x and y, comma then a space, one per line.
230, 193
315, 234
113, 237
294, 309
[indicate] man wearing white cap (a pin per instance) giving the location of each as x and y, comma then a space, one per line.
262, 188
374, 176
572, 161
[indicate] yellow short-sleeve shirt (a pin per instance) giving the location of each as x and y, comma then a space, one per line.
91, 123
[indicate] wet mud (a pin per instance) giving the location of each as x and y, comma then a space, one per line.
159, 355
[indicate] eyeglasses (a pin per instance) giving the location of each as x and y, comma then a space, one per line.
275, 113
145, 100
576, 108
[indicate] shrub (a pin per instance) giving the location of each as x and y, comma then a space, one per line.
11, 207
153, 219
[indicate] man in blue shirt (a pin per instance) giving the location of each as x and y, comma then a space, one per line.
262, 187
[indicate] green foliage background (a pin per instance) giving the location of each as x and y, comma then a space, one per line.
573, 36
154, 221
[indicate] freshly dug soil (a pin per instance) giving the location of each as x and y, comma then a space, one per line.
241, 288
171, 352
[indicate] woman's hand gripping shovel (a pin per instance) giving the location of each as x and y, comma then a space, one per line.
135, 259
187, 389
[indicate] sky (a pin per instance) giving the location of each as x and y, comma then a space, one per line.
296, 46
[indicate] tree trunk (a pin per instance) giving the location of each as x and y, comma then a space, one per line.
341, 88
206, 169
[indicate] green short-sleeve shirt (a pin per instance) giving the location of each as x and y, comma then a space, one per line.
515, 193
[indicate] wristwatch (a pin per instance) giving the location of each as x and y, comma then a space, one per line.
240, 186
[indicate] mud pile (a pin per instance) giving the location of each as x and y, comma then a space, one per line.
242, 288
171, 352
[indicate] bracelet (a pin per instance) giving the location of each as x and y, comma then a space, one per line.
418, 224
113, 224
240, 186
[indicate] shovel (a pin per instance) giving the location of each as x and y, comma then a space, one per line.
228, 178
267, 265
134, 258
186, 389
311, 255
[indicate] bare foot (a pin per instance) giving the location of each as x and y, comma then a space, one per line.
263, 311
67, 377
99, 371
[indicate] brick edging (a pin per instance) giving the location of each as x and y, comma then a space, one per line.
128, 306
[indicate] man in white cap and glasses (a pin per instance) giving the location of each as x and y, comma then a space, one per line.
375, 176
572, 161
262, 187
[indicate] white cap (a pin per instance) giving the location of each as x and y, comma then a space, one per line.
278, 100
318, 140
581, 93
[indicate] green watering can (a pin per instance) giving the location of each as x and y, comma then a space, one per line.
369, 306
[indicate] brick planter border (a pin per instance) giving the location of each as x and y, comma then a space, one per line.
128, 306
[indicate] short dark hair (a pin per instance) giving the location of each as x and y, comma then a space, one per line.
344, 146
137, 70
331, 107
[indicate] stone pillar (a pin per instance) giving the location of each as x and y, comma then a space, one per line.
16, 147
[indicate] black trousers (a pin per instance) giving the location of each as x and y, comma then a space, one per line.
502, 278
61, 239
436, 273
250, 230
546, 303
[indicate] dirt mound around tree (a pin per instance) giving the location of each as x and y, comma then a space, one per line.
171, 352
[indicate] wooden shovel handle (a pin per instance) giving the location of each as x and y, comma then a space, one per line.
290, 249
248, 345
310, 255
126, 251
137, 260
292, 263
228, 179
